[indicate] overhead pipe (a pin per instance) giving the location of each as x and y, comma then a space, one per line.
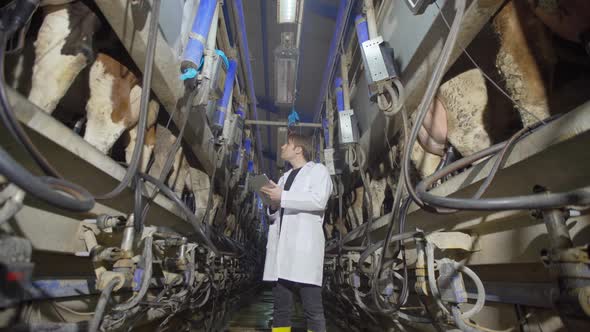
198, 35
299, 22
212, 36
345, 84
344, 11
243, 44
222, 104
371, 20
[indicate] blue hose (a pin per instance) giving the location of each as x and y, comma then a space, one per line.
198, 35
339, 94
362, 28
219, 118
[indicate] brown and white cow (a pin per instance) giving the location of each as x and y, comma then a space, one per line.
113, 106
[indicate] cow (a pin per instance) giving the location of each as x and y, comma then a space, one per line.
113, 106
62, 50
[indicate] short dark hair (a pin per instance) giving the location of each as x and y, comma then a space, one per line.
302, 141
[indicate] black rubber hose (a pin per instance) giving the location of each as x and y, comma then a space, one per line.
172, 153
143, 106
369, 200
542, 201
431, 90
12, 124
105, 295
46, 188
190, 216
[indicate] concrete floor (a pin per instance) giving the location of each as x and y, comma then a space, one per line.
256, 316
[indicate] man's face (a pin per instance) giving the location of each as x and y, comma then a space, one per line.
289, 151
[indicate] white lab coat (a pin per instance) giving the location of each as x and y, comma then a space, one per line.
298, 253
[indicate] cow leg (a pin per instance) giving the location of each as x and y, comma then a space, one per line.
62, 49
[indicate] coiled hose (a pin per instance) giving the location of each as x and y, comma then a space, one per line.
481, 293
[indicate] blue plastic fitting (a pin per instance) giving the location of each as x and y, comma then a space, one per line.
198, 35
248, 146
339, 94
362, 29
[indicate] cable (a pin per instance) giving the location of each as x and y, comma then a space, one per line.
105, 295
145, 279
143, 106
46, 188
369, 201
433, 84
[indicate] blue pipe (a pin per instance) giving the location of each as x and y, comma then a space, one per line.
243, 43
219, 117
362, 28
198, 35
344, 10
247, 146
339, 94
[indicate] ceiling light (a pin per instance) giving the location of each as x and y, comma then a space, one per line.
286, 58
287, 11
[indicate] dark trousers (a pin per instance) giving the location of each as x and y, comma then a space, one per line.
313, 308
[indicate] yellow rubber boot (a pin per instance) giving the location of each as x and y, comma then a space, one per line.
281, 329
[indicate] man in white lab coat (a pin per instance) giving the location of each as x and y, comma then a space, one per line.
295, 248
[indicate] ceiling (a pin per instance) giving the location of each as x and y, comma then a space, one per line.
263, 32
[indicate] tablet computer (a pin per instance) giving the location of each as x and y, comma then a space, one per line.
256, 183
